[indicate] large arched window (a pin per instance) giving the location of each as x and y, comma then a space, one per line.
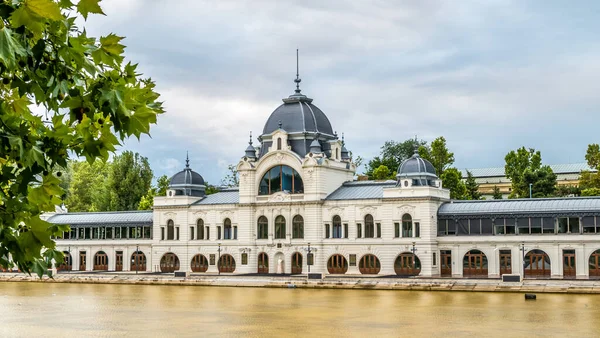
200, 228
227, 228
406, 225
170, 230
298, 227
280, 227
369, 227
475, 264
337, 227
262, 230
281, 178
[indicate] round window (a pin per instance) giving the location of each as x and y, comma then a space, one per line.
406, 183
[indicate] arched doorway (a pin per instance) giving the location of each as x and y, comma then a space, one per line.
226, 263
369, 265
263, 263
199, 263
296, 263
169, 262
475, 264
67, 264
594, 263
407, 264
100, 261
537, 264
337, 264
138, 261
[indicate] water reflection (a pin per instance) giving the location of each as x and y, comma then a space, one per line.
77, 310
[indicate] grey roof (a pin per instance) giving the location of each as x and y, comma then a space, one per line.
416, 165
228, 196
186, 177
103, 218
568, 168
359, 190
555, 206
298, 116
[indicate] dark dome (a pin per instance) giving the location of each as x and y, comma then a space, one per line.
298, 116
416, 166
186, 177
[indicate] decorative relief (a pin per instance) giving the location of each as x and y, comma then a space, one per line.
336, 211
406, 209
369, 210
280, 197
279, 158
310, 172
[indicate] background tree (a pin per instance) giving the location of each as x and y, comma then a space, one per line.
567, 191
232, 178
517, 163
382, 173
589, 181
452, 180
438, 155
88, 190
147, 201
471, 187
93, 102
130, 179
497, 195
393, 154
543, 181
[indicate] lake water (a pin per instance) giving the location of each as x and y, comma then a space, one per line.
92, 310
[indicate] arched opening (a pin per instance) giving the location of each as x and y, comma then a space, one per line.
200, 228
226, 263
263, 263
170, 230
407, 264
337, 264
279, 143
169, 262
227, 228
337, 226
100, 261
281, 178
296, 263
475, 264
369, 265
406, 225
369, 227
298, 227
67, 264
279, 227
138, 261
199, 263
262, 231
537, 264
594, 263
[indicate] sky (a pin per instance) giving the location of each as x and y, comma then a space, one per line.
490, 76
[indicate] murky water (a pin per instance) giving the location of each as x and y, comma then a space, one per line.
87, 310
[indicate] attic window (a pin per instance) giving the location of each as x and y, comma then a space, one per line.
278, 143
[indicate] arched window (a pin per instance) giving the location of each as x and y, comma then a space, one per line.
337, 227
406, 225
227, 228
298, 227
281, 178
407, 264
226, 263
169, 262
337, 264
296, 263
200, 228
100, 261
369, 227
279, 143
263, 263
475, 264
199, 263
369, 265
263, 228
537, 264
138, 261
280, 227
170, 230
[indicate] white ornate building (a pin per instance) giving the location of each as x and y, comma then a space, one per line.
298, 208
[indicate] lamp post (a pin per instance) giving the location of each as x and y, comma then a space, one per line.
413, 257
219, 259
308, 258
523, 258
530, 189
70, 260
137, 255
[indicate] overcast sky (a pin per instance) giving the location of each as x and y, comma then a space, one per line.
490, 76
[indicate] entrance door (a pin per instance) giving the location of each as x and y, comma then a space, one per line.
407, 264
594, 264
119, 261
82, 260
100, 261
537, 264
296, 263
569, 264
505, 262
138, 261
446, 263
263, 263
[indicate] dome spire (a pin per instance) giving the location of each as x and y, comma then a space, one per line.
416, 147
187, 159
298, 79
250, 151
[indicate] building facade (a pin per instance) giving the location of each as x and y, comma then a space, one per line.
298, 210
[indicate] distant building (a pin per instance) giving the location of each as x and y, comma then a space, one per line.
488, 178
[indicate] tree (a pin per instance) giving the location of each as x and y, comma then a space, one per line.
472, 188
543, 181
567, 190
130, 179
452, 180
591, 192
147, 201
590, 179
93, 101
438, 155
88, 189
381, 173
517, 163
393, 154
497, 195
231, 179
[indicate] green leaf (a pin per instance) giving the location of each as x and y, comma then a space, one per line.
44, 8
22, 16
9, 47
89, 6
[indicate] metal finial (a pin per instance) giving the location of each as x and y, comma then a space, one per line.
416, 145
279, 123
342, 138
297, 80
187, 159
250, 142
